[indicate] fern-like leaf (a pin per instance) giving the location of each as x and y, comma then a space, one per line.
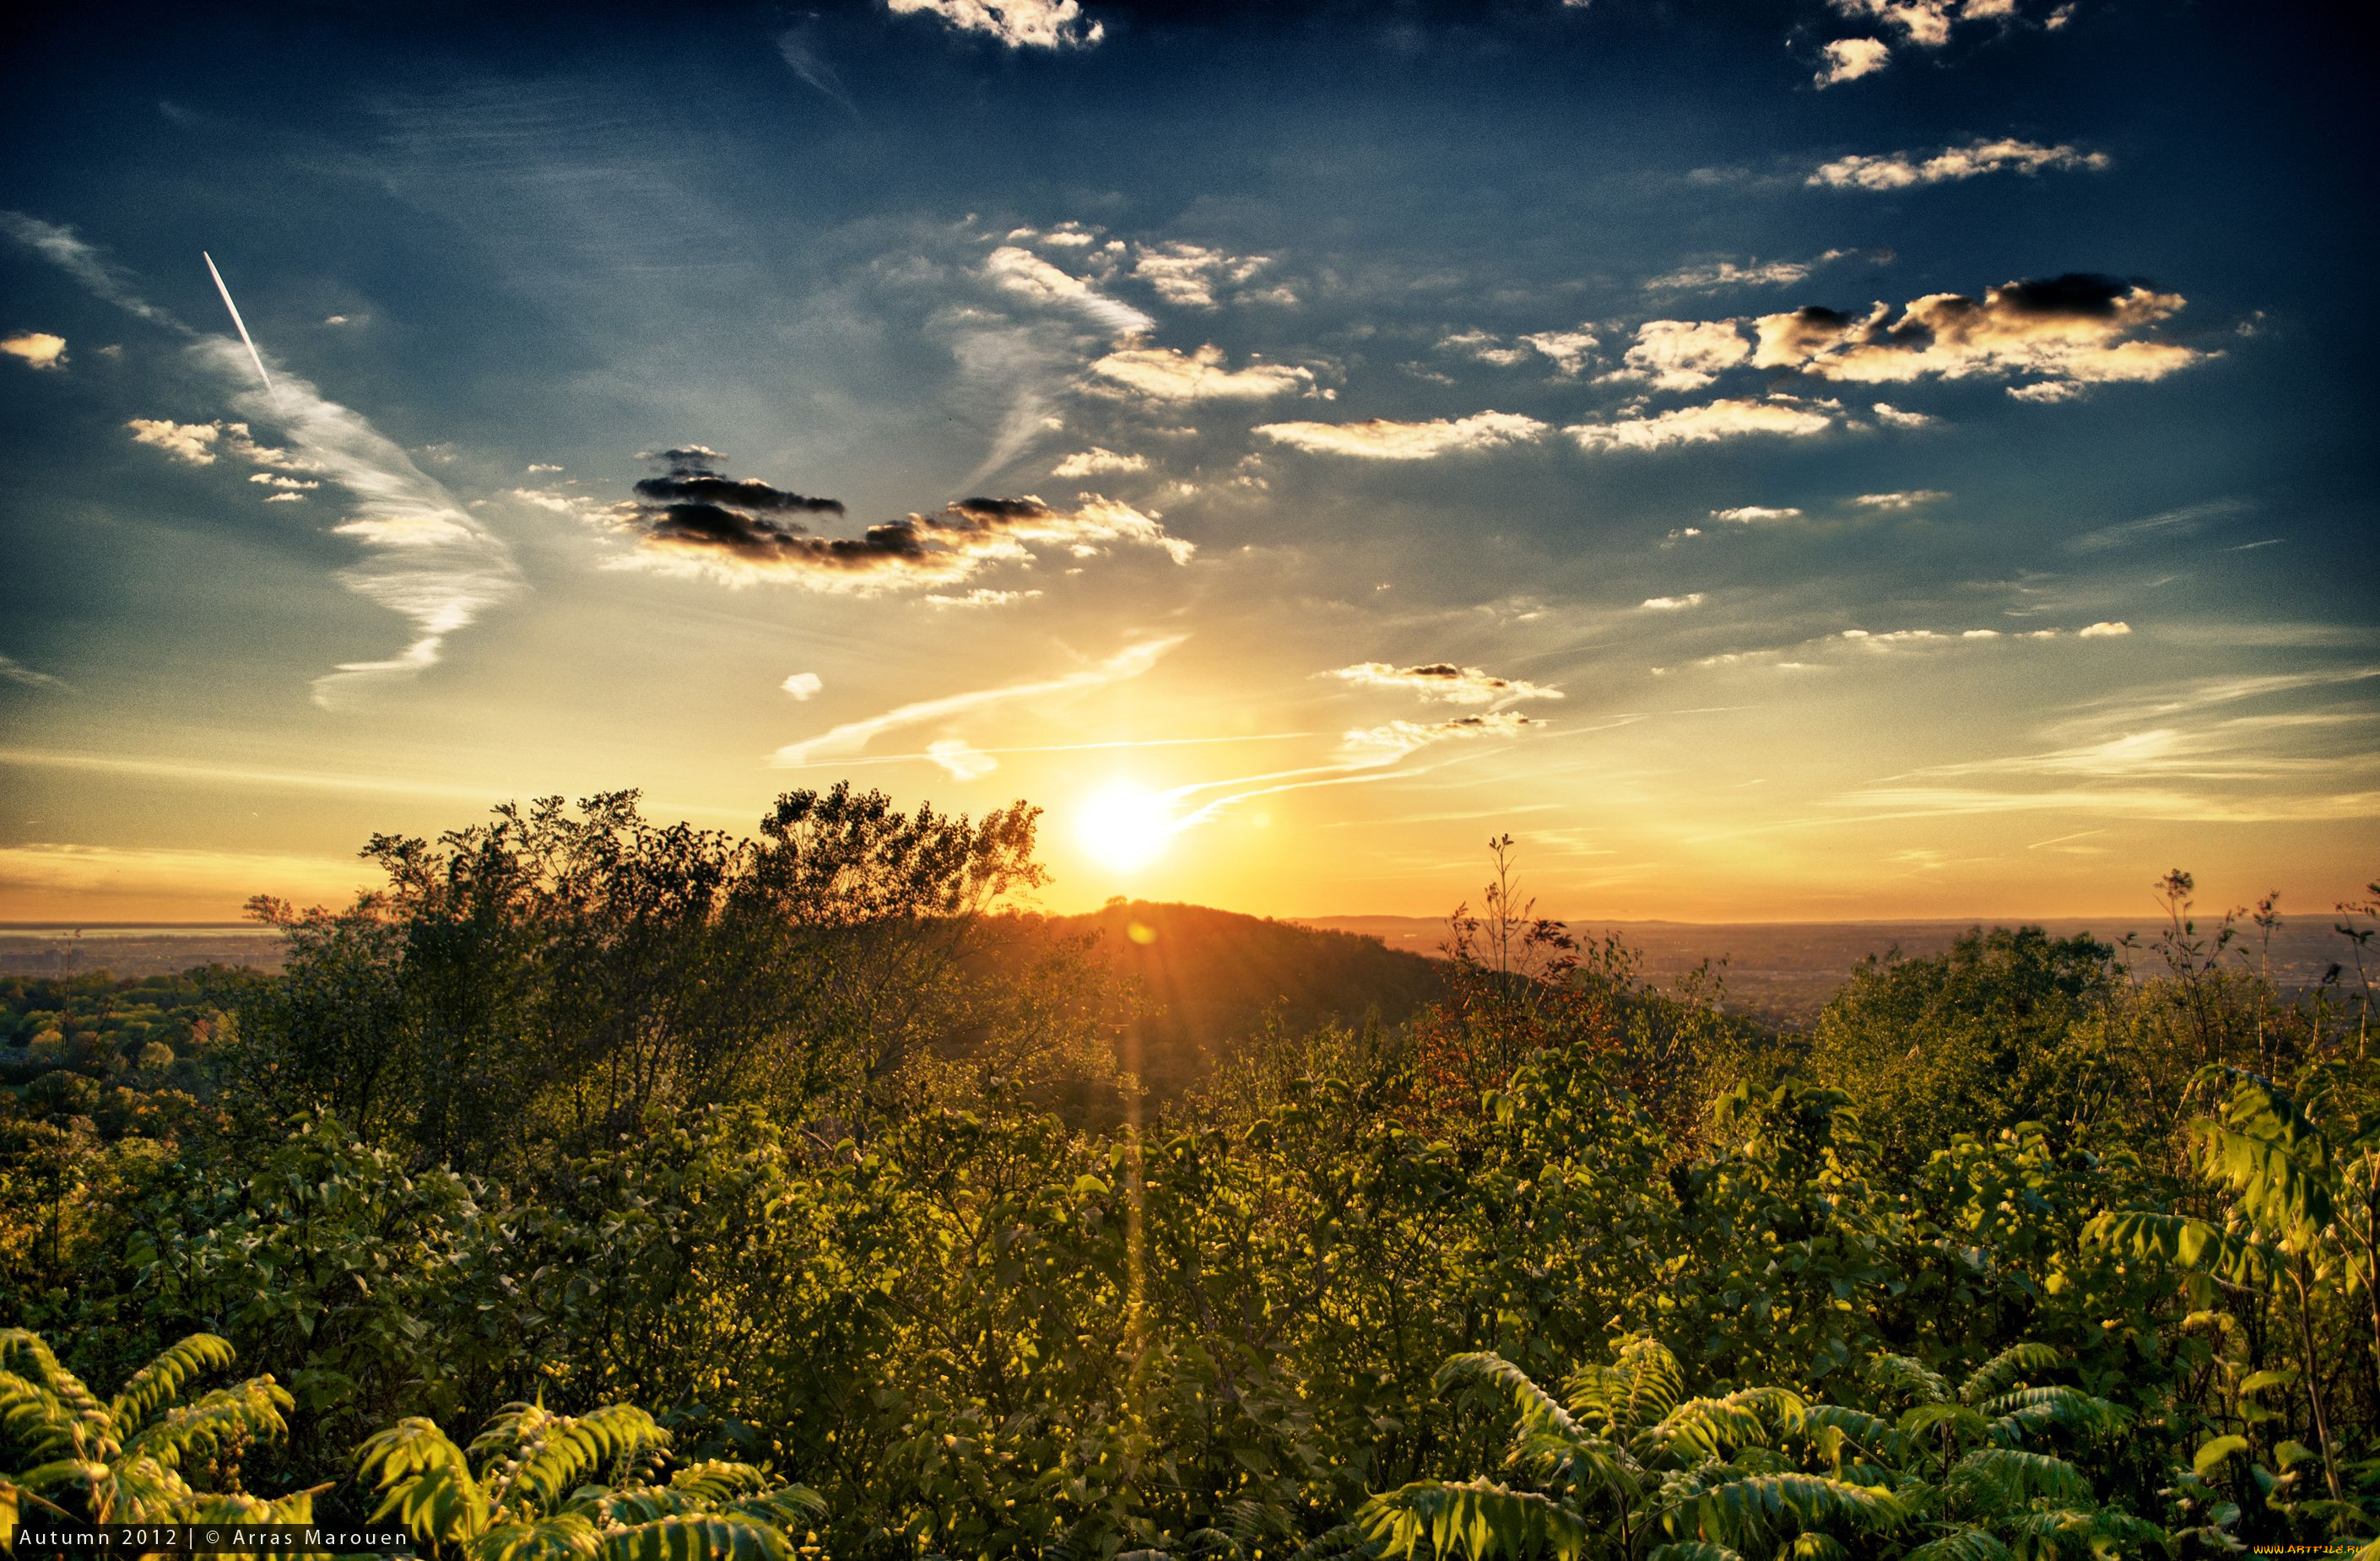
712, 1538
426, 1480
1639, 1388
1967, 1545
2011, 1477
1746, 1512
2029, 1410
1898, 1374
1713, 1428
161, 1380
2004, 1368
250, 1411
1478, 1517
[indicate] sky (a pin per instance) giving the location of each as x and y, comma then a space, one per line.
1854, 459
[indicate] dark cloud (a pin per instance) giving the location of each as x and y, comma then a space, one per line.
741, 493
699, 517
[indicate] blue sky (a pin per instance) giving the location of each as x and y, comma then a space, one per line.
1836, 460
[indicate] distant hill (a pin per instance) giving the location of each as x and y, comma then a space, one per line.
1211, 976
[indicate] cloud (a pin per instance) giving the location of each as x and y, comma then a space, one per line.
1848, 59
427, 561
1020, 24
1673, 603
36, 349
100, 276
1394, 740
803, 685
2047, 391
1681, 355
1749, 512
1444, 682
801, 56
1377, 439
853, 736
1169, 375
2183, 522
720, 530
1569, 349
1892, 417
960, 759
1187, 274
1756, 273
2073, 328
1096, 461
693, 478
15, 672
1903, 501
1900, 170
2104, 631
194, 442
983, 595
1025, 274
1715, 420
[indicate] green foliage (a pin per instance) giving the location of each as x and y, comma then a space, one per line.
800, 1144
584, 1485
133, 1459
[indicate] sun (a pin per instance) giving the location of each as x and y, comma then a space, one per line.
1125, 825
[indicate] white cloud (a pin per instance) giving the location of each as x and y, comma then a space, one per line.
2046, 392
15, 672
1673, 603
1444, 682
1096, 461
2088, 328
983, 595
2104, 631
1925, 23
1751, 274
1892, 417
1187, 274
194, 442
1026, 275
1848, 59
1731, 418
853, 736
1397, 738
1900, 170
1569, 349
1748, 512
1682, 355
803, 685
1902, 501
1377, 439
1020, 24
428, 560
36, 349
1169, 375
960, 759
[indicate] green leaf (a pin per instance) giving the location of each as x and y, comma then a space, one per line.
2212, 1454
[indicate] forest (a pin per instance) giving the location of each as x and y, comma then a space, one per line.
607, 1187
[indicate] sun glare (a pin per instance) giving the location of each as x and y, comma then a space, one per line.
1124, 826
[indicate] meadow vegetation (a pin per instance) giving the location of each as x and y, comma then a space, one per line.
787, 1195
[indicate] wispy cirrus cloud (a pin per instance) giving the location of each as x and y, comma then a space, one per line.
1394, 740
853, 737
1903, 170
1024, 274
427, 558
1905, 500
23, 676
1380, 439
2183, 522
1713, 275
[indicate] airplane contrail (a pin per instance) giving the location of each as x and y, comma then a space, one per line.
254, 355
